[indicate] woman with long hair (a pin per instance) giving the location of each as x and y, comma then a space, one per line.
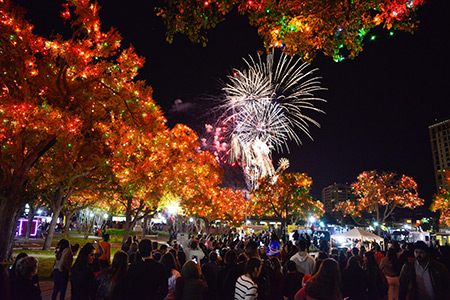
390, 265
354, 281
83, 278
172, 274
110, 280
61, 269
191, 284
378, 285
324, 285
246, 287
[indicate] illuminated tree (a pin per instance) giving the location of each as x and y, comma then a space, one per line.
381, 194
441, 201
337, 28
55, 89
286, 196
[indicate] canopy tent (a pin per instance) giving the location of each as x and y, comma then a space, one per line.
358, 233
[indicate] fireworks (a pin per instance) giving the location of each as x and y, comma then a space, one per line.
263, 106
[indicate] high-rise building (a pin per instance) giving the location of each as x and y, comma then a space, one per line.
335, 194
440, 146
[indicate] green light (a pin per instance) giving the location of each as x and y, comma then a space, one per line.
391, 33
70, 145
372, 38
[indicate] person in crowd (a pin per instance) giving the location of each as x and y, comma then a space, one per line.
246, 288
424, 278
191, 284
22, 287
132, 252
324, 285
292, 280
126, 246
378, 285
83, 277
390, 265
378, 254
194, 251
110, 281
304, 261
170, 264
354, 281
12, 270
324, 245
355, 253
274, 246
75, 249
104, 251
228, 275
210, 271
61, 269
146, 275
284, 254
276, 279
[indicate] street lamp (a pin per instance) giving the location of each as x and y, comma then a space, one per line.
312, 219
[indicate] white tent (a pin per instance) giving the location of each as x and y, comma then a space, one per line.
358, 233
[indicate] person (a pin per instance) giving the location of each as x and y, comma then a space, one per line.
424, 278
292, 280
83, 278
390, 265
61, 269
194, 252
210, 271
274, 246
246, 288
304, 261
110, 281
378, 254
146, 275
104, 252
191, 284
169, 263
228, 275
354, 281
324, 285
276, 279
22, 287
12, 270
378, 285
126, 246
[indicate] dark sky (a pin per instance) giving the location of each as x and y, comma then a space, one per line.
379, 105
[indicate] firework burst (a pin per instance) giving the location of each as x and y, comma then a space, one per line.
263, 106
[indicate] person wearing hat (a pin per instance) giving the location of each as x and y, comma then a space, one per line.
424, 278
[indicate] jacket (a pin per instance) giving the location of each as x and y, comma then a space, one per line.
440, 279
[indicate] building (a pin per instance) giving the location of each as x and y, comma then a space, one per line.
335, 194
440, 140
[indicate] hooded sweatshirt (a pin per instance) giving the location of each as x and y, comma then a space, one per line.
304, 262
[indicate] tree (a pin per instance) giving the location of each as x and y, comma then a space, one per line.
380, 194
55, 88
337, 28
286, 196
441, 201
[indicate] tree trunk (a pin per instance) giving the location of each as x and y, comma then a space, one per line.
67, 224
31, 214
51, 229
9, 216
145, 226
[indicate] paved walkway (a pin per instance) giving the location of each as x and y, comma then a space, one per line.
47, 290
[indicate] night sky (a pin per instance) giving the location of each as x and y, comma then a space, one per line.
379, 105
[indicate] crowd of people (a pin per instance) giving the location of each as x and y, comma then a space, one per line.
230, 267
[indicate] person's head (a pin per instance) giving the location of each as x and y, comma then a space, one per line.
322, 255
291, 266
120, 260
155, 245
421, 251
19, 256
231, 257
302, 245
169, 263
276, 265
325, 284
353, 263
75, 248
251, 249
355, 251
163, 248
145, 248
86, 255
194, 244
105, 237
134, 246
26, 267
213, 257
371, 261
63, 244
253, 267
190, 270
